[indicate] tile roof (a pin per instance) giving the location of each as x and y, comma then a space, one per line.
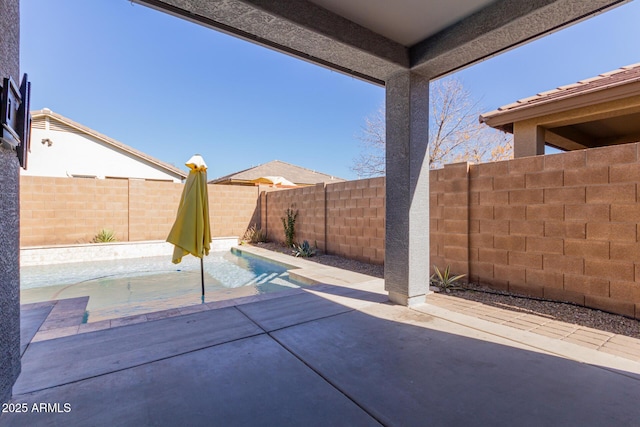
45, 112
618, 77
293, 173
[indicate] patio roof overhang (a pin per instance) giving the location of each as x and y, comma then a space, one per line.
595, 112
372, 41
401, 46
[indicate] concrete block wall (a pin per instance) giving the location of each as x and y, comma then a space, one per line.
58, 211
355, 219
345, 218
310, 223
449, 215
232, 209
152, 208
563, 227
71, 210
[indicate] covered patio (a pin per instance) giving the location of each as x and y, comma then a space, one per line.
402, 49
336, 353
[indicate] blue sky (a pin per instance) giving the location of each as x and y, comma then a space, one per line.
171, 88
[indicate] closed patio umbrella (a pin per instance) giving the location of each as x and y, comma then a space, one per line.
191, 232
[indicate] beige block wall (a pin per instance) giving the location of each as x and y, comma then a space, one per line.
449, 217
233, 209
152, 208
73, 210
564, 226
310, 222
67, 210
355, 219
344, 219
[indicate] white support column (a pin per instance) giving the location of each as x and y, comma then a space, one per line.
406, 265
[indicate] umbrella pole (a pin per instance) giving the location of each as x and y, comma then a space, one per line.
202, 275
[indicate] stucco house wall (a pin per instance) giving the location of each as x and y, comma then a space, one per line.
61, 150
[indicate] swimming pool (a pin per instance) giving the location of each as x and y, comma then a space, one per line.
127, 287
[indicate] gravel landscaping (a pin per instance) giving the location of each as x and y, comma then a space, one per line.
563, 312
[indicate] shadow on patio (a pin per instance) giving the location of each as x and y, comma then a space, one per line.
331, 355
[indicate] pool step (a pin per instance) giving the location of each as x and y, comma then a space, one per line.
32, 317
58, 325
65, 316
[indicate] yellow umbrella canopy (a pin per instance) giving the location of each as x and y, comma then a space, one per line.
191, 232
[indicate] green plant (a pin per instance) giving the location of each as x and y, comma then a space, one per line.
254, 235
289, 224
104, 236
304, 250
444, 280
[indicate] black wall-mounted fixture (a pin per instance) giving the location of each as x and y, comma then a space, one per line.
15, 117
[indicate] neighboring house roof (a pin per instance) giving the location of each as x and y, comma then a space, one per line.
41, 114
296, 174
620, 83
276, 181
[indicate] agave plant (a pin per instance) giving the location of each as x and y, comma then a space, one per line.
444, 280
304, 250
104, 236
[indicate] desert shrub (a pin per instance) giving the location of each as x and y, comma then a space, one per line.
104, 236
254, 235
289, 224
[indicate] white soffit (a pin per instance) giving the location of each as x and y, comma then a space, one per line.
404, 21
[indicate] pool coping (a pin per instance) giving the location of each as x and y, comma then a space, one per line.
69, 313
83, 252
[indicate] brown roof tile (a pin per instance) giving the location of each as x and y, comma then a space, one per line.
293, 173
624, 75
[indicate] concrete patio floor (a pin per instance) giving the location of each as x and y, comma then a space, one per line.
331, 354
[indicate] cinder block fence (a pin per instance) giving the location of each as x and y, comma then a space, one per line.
345, 218
56, 211
564, 226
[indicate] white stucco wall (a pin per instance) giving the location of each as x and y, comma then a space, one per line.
79, 154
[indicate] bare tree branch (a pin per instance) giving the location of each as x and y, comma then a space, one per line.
455, 133
371, 161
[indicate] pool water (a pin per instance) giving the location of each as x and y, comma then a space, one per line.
127, 287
